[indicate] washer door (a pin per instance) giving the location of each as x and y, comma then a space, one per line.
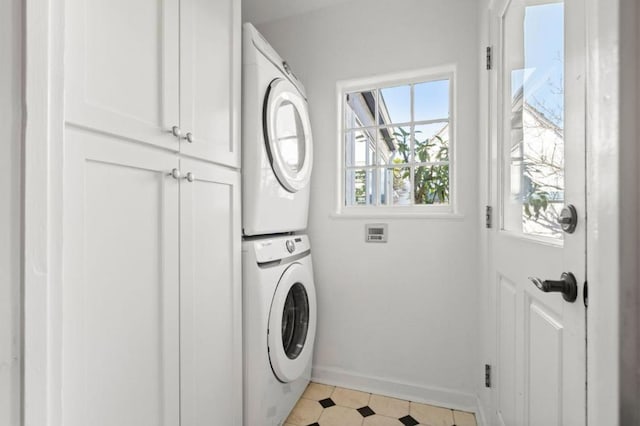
287, 132
292, 323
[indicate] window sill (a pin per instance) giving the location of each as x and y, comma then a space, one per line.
404, 214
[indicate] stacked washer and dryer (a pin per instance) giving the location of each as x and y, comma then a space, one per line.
279, 299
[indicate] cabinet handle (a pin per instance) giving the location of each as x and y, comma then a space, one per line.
175, 130
175, 173
190, 177
189, 137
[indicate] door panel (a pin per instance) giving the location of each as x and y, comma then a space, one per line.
210, 296
544, 366
210, 76
120, 336
121, 71
540, 167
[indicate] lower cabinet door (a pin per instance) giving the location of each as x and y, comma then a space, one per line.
120, 309
210, 296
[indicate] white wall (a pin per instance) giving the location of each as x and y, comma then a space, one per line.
10, 211
400, 317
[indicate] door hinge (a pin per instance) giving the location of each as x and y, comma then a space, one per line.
488, 216
489, 58
487, 376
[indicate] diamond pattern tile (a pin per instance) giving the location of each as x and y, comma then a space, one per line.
324, 405
327, 402
408, 421
366, 411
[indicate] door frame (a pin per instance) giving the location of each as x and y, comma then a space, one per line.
613, 231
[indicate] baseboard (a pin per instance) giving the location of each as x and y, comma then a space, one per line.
441, 397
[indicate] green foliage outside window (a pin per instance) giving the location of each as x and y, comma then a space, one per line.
431, 183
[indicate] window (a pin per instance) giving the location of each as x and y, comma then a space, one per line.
397, 141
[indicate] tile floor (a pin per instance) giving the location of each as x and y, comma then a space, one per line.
323, 405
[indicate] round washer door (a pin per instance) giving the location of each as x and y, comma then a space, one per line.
292, 323
288, 135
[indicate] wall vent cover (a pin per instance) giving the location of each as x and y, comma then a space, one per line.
376, 232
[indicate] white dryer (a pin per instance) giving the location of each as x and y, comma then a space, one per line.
279, 326
277, 150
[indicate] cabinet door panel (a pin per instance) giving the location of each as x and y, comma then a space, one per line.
122, 66
120, 293
210, 77
210, 297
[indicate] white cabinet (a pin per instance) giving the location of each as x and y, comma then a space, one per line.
120, 309
210, 77
152, 293
122, 68
138, 70
210, 296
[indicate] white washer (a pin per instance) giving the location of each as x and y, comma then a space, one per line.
277, 147
279, 326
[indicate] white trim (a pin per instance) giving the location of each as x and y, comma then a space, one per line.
432, 395
44, 39
375, 213
445, 72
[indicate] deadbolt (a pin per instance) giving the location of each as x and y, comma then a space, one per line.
568, 219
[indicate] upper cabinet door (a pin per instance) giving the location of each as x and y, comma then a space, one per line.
121, 68
210, 77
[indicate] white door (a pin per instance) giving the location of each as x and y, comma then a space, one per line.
288, 132
210, 77
210, 296
292, 323
540, 161
120, 342
121, 68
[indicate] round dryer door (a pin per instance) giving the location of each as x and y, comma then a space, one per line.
292, 323
288, 135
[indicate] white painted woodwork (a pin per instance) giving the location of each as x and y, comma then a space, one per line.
11, 210
210, 79
121, 68
120, 324
540, 371
210, 296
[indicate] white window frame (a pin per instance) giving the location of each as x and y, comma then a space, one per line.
344, 87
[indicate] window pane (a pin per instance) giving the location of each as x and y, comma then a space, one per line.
394, 145
395, 105
360, 187
290, 136
431, 142
395, 186
360, 147
360, 109
533, 156
431, 100
431, 185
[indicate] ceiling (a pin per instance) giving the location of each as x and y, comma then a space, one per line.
260, 11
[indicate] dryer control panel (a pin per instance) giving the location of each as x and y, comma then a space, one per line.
278, 248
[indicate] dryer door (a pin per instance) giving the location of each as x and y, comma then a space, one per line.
292, 323
287, 132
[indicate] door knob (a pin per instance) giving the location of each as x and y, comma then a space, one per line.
566, 285
190, 177
175, 130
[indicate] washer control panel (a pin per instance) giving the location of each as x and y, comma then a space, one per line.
277, 248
